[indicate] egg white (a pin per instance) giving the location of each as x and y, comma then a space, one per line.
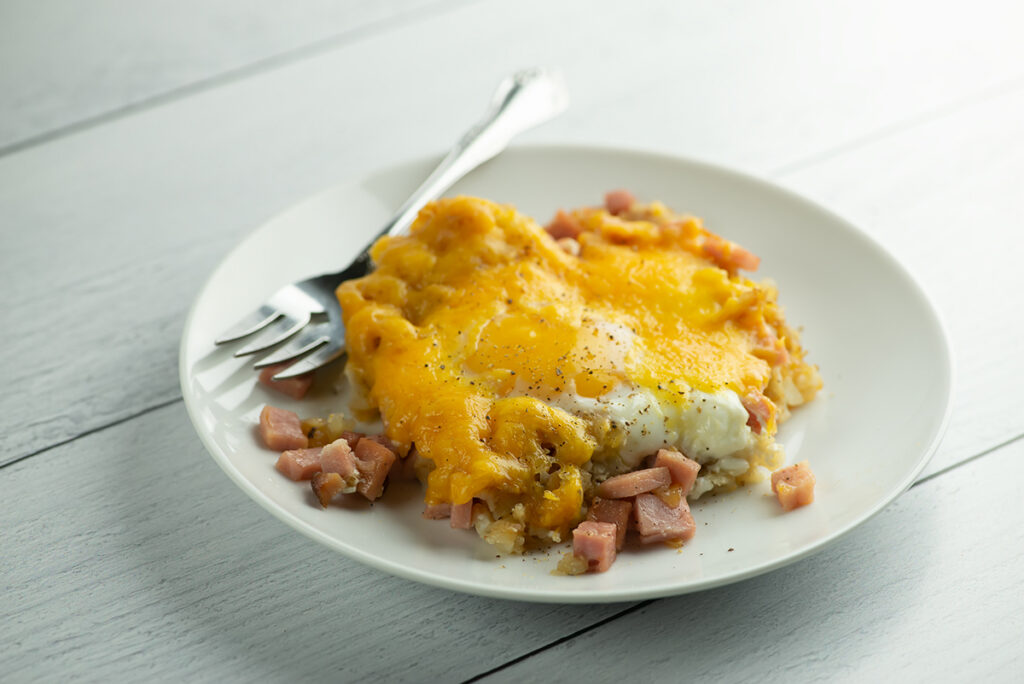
710, 428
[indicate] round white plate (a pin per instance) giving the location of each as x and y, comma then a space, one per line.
877, 339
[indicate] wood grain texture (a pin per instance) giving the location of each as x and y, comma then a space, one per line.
128, 555
112, 231
926, 591
63, 63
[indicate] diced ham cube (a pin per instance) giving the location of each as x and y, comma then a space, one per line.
740, 258
656, 521
630, 484
760, 411
373, 461
281, 429
296, 387
618, 201
326, 486
337, 457
352, 438
299, 464
462, 515
564, 226
729, 255
612, 511
382, 440
794, 485
437, 511
595, 543
682, 469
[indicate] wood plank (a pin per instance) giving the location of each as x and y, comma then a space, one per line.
65, 63
114, 229
128, 555
925, 589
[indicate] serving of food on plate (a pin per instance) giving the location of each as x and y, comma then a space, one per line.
651, 297
578, 382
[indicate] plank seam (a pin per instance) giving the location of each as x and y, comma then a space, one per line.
568, 637
561, 640
969, 459
90, 431
634, 608
280, 59
992, 93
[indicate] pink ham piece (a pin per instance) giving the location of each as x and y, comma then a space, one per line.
741, 258
612, 511
299, 464
380, 439
729, 255
637, 482
618, 201
794, 485
656, 521
296, 387
462, 515
337, 457
759, 411
595, 543
682, 469
352, 438
281, 429
437, 511
373, 461
564, 226
326, 486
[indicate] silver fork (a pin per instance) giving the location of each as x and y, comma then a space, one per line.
522, 101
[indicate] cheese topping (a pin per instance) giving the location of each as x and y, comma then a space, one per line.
522, 371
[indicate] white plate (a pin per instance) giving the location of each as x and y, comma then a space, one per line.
878, 341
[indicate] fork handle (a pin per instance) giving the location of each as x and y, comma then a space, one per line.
522, 101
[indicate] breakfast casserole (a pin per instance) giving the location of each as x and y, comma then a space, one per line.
533, 376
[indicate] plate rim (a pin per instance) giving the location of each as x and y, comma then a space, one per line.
592, 596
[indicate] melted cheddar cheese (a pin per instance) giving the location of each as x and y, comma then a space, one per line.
473, 327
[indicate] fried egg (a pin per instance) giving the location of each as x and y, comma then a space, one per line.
525, 370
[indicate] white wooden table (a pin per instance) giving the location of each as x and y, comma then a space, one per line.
140, 141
